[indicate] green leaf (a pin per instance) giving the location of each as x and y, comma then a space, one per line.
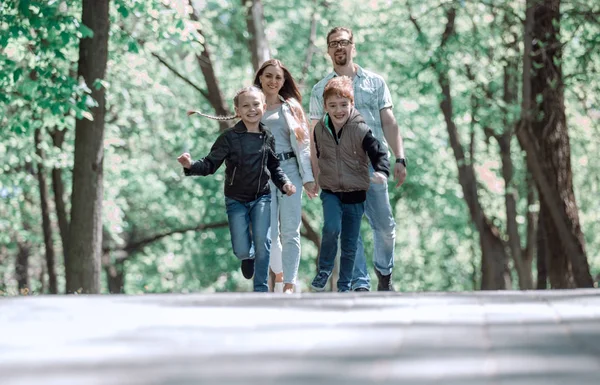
85, 32
24, 7
123, 10
17, 74
132, 46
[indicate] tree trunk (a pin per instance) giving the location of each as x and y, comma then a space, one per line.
510, 198
542, 253
258, 44
115, 274
510, 189
310, 233
215, 96
22, 265
23, 241
3, 258
58, 188
85, 231
494, 274
532, 218
546, 141
46, 223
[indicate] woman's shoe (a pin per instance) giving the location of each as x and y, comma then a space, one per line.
288, 288
278, 288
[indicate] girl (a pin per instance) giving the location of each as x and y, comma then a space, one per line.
248, 151
286, 121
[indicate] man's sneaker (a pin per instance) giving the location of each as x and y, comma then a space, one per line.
385, 282
320, 281
362, 288
248, 268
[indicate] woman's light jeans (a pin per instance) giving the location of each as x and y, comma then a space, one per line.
286, 218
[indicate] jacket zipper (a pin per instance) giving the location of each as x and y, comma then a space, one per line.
233, 176
337, 155
262, 163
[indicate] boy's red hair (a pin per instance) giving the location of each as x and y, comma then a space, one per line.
340, 86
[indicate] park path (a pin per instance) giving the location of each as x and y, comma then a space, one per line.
517, 338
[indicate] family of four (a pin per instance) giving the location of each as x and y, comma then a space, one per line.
274, 152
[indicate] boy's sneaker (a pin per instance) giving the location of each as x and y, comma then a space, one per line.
385, 282
248, 268
361, 289
320, 281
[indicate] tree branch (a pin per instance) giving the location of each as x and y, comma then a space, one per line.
132, 247
180, 75
309, 232
311, 44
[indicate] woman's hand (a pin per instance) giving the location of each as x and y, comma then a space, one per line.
289, 189
378, 177
311, 189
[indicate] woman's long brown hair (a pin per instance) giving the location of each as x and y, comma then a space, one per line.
288, 91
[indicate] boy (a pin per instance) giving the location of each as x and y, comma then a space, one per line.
343, 145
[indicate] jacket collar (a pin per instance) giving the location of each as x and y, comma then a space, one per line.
240, 127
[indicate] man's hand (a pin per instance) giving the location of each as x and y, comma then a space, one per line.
185, 160
399, 174
310, 188
289, 189
378, 177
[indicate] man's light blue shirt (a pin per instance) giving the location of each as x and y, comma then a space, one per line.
371, 95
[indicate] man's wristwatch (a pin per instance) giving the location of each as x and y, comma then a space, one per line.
402, 161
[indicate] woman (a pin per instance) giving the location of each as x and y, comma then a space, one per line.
285, 119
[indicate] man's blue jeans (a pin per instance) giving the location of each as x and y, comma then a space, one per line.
379, 214
341, 222
255, 244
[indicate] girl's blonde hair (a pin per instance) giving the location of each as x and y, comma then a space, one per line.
236, 101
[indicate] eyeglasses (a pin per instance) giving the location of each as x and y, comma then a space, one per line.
339, 43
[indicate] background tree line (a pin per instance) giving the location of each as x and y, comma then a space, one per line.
497, 101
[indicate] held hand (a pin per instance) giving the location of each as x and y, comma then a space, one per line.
289, 189
378, 177
399, 174
316, 189
185, 160
310, 188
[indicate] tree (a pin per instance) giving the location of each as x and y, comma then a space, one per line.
257, 43
85, 230
46, 224
544, 136
495, 274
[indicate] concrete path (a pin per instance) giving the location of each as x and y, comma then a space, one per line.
526, 338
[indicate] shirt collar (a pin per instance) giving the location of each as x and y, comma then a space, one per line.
359, 72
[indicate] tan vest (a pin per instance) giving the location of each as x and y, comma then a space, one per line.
343, 167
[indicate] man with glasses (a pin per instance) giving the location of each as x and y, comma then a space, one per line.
373, 100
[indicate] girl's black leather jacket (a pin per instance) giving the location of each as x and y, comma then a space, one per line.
250, 162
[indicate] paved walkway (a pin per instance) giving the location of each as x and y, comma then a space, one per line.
526, 338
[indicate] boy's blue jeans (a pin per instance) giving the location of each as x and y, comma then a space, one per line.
255, 244
341, 221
